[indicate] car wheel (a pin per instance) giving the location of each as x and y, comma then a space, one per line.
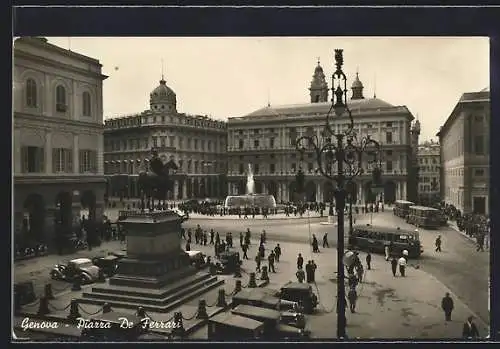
54, 275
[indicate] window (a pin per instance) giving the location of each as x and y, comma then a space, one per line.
146, 143
389, 124
271, 143
388, 166
272, 156
242, 169
209, 145
62, 160
316, 98
241, 132
293, 136
310, 167
181, 165
256, 131
294, 167
87, 104
256, 143
240, 144
479, 145
155, 142
271, 130
389, 153
162, 141
195, 144
31, 93
32, 159
478, 118
88, 161
172, 141
189, 143
163, 118
60, 99
272, 168
181, 141
256, 168
388, 137
478, 172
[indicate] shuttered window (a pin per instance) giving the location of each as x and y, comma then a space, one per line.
88, 161
62, 160
33, 160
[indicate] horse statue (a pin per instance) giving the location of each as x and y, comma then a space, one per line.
154, 181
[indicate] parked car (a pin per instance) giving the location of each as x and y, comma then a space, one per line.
301, 293
80, 267
229, 261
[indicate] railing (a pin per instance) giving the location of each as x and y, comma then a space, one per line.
147, 214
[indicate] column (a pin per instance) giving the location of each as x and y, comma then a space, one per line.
74, 102
49, 95
279, 198
404, 191
76, 160
319, 197
100, 154
184, 189
360, 192
229, 188
176, 189
17, 151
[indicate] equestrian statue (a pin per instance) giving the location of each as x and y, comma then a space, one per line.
154, 181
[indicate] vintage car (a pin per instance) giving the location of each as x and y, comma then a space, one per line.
80, 267
229, 261
108, 264
301, 293
197, 258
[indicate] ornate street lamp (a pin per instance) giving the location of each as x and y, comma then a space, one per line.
340, 157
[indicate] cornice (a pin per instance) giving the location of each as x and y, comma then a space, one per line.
61, 123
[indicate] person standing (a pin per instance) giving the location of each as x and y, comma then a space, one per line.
315, 244
300, 261
438, 243
325, 240
257, 261
308, 272
360, 272
262, 251
217, 238
242, 238
188, 246
313, 271
352, 296
470, 330
270, 260
369, 261
205, 238
447, 306
386, 251
402, 266
212, 235
394, 266
300, 275
277, 252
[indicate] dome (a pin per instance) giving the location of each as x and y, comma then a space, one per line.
357, 83
318, 69
163, 97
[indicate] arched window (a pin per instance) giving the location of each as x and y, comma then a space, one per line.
60, 99
31, 93
87, 108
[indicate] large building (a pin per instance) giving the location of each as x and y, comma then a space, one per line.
465, 154
429, 172
265, 139
58, 138
197, 144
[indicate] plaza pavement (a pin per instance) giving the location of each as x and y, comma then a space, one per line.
388, 307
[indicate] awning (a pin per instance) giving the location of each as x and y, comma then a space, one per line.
113, 161
125, 161
118, 161
138, 160
106, 162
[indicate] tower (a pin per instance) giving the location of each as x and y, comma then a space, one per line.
357, 88
319, 87
163, 98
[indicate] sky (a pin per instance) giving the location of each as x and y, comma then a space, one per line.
233, 76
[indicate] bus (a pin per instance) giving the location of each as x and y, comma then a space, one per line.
376, 238
401, 208
425, 217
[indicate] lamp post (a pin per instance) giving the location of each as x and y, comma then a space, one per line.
339, 157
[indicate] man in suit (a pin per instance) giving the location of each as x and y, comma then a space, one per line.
470, 330
447, 306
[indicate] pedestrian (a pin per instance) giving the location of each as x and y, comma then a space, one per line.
447, 306
470, 330
394, 266
257, 261
386, 251
308, 272
352, 296
325, 240
300, 275
402, 266
217, 238
360, 272
277, 252
315, 244
262, 251
212, 234
216, 247
313, 271
244, 248
188, 246
300, 261
352, 280
270, 260
230, 241
438, 243
369, 261
242, 238
183, 233
205, 238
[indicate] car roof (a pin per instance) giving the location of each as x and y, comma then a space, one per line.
81, 260
297, 285
236, 321
250, 310
384, 229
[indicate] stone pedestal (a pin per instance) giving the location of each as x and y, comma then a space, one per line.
154, 253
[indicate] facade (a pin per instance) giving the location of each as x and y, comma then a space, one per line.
429, 172
465, 154
265, 139
58, 138
197, 144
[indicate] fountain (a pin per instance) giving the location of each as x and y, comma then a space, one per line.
250, 199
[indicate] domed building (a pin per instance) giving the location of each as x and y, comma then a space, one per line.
265, 138
196, 143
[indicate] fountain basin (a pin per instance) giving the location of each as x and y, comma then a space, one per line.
250, 200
